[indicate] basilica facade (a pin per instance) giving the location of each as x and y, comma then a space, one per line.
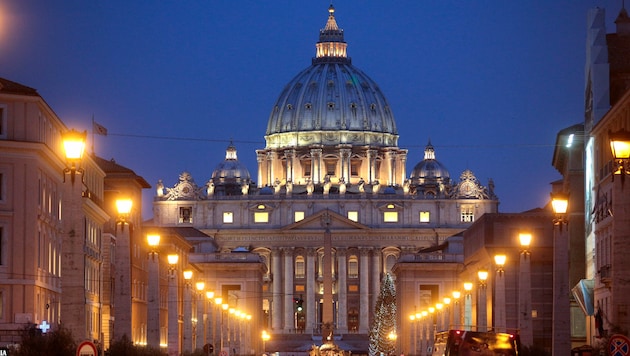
331, 163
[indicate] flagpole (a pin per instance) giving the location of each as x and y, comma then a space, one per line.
93, 153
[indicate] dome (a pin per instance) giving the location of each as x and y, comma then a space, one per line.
429, 169
231, 170
331, 102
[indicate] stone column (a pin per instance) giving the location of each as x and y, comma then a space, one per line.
344, 154
153, 303
311, 290
402, 168
262, 169
342, 291
174, 347
270, 171
377, 275
391, 162
289, 322
187, 338
364, 288
278, 299
316, 165
561, 326
289, 175
371, 158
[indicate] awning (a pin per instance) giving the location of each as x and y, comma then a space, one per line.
583, 293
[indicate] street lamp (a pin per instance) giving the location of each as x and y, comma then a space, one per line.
524, 291
123, 296
123, 206
468, 305
265, 338
499, 287
620, 148
74, 146
172, 264
482, 306
174, 341
153, 305
457, 320
561, 326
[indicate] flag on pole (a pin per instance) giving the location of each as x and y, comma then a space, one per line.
99, 129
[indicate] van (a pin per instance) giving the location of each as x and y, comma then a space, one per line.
475, 343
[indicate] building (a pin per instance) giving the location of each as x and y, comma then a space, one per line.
332, 162
51, 222
606, 210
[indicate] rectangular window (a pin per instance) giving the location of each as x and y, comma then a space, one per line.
425, 217
353, 215
354, 168
390, 216
306, 168
185, 215
353, 288
228, 217
468, 214
330, 168
298, 216
261, 217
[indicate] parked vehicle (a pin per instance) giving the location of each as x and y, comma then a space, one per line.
475, 343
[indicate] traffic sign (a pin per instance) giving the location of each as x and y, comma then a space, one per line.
87, 348
619, 345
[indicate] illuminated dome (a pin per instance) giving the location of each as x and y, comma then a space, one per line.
429, 170
230, 175
331, 102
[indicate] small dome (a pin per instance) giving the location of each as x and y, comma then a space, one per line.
230, 172
429, 169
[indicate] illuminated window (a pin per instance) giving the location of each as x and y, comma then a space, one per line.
261, 217
299, 267
353, 215
298, 216
185, 215
353, 267
425, 217
390, 216
468, 214
228, 217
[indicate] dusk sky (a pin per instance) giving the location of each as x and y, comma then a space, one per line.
490, 83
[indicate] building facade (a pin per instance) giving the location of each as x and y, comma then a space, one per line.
51, 223
332, 162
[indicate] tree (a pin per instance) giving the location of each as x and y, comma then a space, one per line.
384, 324
58, 342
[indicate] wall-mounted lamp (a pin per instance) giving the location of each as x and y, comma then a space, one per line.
620, 148
74, 146
525, 238
172, 264
560, 205
482, 274
154, 241
124, 210
499, 260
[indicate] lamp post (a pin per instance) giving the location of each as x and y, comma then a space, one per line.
457, 317
468, 306
265, 338
153, 303
199, 307
561, 325
447, 313
524, 292
482, 302
122, 296
210, 320
174, 346
224, 308
187, 314
499, 291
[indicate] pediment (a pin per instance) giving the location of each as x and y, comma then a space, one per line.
320, 219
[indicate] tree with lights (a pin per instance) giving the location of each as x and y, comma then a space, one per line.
383, 331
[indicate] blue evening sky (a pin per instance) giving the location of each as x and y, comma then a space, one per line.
489, 82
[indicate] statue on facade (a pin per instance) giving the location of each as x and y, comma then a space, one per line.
210, 188
245, 188
327, 184
276, 186
407, 187
160, 188
376, 187
361, 186
289, 187
310, 187
342, 186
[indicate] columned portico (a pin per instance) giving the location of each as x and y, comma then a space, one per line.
311, 290
342, 288
289, 324
364, 301
276, 309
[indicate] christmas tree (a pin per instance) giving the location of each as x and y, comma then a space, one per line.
383, 331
